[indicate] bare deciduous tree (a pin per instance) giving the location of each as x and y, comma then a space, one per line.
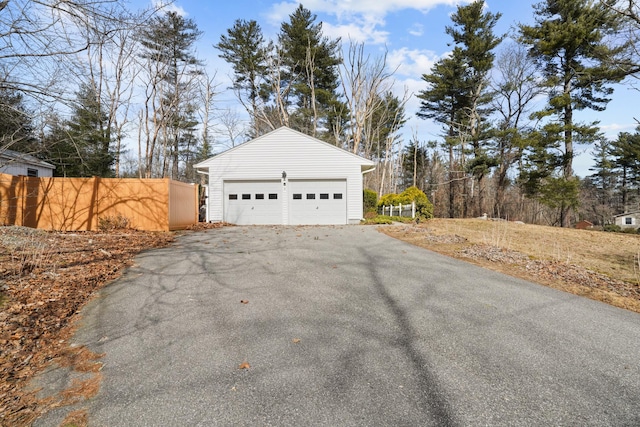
364, 81
516, 90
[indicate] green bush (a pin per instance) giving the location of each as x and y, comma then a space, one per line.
629, 231
389, 199
424, 208
370, 200
612, 228
384, 219
378, 219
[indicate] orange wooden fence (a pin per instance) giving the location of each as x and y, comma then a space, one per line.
74, 204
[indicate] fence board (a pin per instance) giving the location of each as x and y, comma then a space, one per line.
72, 204
182, 212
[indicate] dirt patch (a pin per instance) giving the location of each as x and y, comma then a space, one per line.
598, 265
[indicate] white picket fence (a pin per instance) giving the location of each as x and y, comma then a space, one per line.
400, 210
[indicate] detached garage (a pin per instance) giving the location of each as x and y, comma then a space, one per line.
285, 178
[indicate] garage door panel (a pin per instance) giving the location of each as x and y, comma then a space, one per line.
253, 202
318, 202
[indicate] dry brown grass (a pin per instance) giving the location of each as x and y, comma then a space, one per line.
609, 255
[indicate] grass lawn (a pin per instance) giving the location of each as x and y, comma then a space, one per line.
599, 265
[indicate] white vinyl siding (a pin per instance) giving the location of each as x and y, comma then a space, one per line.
299, 156
628, 220
16, 167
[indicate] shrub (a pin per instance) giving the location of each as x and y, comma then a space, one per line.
629, 231
424, 208
116, 222
389, 199
384, 219
370, 200
612, 228
378, 219
370, 214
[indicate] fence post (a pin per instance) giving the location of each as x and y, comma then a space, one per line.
413, 209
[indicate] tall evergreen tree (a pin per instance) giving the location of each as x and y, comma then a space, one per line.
88, 137
169, 40
245, 49
602, 183
16, 126
59, 149
458, 96
625, 151
473, 33
570, 43
80, 146
310, 66
415, 165
445, 100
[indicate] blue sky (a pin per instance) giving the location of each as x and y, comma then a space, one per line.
412, 33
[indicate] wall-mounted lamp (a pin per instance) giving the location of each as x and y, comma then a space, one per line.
284, 175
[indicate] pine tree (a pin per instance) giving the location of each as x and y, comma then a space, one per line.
88, 138
602, 183
625, 151
310, 63
445, 100
415, 165
59, 150
16, 126
473, 32
169, 41
571, 46
245, 49
458, 95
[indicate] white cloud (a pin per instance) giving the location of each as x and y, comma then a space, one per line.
362, 20
411, 62
611, 130
280, 12
169, 7
416, 30
345, 8
359, 32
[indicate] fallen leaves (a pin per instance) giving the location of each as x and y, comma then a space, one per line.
525, 252
244, 301
78, 418
203, 226
46, 279
295, 340
244, 365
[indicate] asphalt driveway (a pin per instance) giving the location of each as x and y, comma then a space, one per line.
345, 326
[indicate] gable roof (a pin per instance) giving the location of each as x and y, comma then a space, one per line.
25, 158
282, 130
627, 214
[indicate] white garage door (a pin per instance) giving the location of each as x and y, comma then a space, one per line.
318, 202
252, 202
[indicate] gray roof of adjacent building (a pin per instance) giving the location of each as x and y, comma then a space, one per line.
26, 158
628, 213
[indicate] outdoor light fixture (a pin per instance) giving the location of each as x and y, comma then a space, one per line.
284, 175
